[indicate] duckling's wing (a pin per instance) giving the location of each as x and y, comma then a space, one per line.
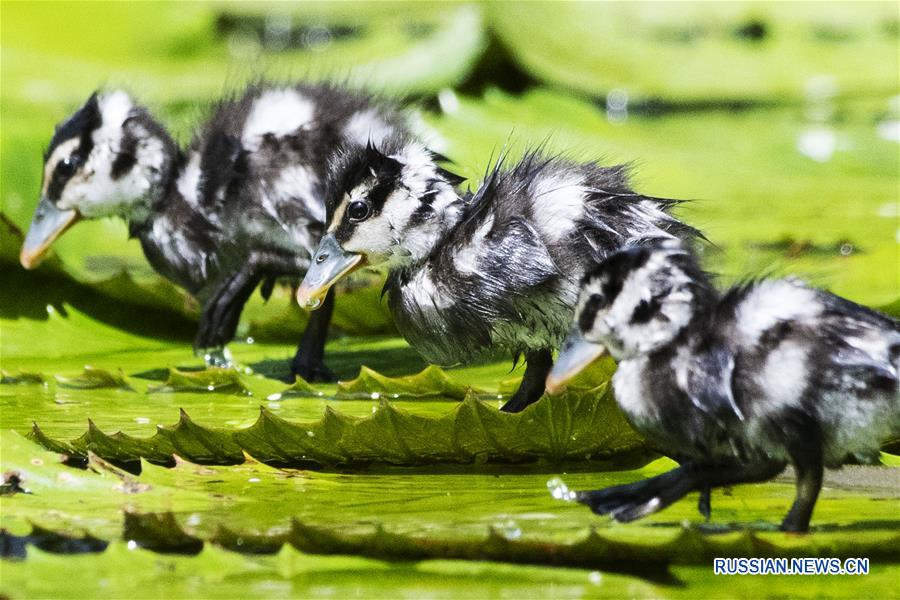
706, 378
223, 165
861, 343
516, 259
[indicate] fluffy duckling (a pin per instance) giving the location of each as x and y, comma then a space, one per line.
733, 386
243, 204
494, 270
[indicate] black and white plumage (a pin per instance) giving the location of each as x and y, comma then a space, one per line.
242, 204
734, 386
494, 270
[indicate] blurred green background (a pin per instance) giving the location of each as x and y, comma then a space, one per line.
780, 121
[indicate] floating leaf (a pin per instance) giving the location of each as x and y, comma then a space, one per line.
202, 445
574, 426
222, 381
161, 532
410, 517
300, 388
431, 382
93, 378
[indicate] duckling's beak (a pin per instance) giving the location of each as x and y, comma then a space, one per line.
48, 223
330, 263
576, 354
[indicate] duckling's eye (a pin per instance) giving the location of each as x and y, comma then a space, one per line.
67, 166
645, 310
589, 313
359, 210
596, 301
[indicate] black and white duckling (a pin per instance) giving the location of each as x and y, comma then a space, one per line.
494, 270
733, 386
243, 204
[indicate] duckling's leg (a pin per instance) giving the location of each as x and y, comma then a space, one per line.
704, 503
806, 456
221, 312
632, 501
539, 363
308, 363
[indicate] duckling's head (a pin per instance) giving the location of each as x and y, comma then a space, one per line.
107, 159
636, 301
386, 206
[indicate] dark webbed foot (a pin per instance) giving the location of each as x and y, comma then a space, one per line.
635, 500
312, 372
628, 502
531, 389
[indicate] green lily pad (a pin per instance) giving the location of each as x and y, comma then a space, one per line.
92, 379
221, 381
429, 383
575, 426
300, 388
702, 53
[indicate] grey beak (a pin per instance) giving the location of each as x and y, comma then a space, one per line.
576, 354
48, 223
329, 264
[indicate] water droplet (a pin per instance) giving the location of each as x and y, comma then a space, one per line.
509, 529
448, 101
50, 309
311, 433
250, 340
559, 490
142, 420
273, 397
846, 249
253, 480
617, 106
817, 143
193, 520
889, 130
595, 577
375, 395
132, 545
211, 388
889, 210
313, 303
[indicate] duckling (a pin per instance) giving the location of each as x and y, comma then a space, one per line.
243, 204
737, 385
469, 274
